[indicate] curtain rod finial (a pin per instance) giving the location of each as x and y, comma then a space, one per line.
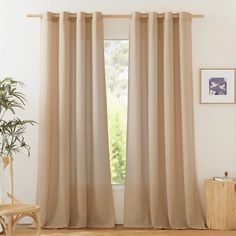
35, 15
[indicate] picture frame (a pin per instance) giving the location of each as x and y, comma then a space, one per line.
217, 85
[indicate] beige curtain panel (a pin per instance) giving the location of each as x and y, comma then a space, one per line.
74, 184
161, 187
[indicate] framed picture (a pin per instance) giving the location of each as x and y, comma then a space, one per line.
217, 85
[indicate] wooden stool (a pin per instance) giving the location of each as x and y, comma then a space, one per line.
220, 204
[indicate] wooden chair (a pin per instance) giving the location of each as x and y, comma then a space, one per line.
11, 214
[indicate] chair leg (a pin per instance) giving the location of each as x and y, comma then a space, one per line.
9, 230
2, 229
38, 223
3, 225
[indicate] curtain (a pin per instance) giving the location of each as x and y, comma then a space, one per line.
74, 184
161, 188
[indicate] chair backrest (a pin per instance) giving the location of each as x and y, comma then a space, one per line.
8, 165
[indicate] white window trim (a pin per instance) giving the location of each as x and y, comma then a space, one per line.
118, 187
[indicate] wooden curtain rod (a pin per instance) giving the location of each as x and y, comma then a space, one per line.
128, 16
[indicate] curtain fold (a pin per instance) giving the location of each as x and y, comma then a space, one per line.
161, 188
74, 184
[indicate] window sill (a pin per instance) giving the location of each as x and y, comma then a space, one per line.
118, 187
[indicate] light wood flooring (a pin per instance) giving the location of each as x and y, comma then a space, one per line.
124, 232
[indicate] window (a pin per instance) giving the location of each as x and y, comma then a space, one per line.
116, 67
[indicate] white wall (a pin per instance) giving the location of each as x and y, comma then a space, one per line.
214, 45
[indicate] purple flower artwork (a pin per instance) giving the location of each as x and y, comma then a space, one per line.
218, 86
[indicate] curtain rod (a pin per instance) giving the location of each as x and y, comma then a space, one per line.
128, 16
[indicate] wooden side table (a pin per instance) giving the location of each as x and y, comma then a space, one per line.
220, 204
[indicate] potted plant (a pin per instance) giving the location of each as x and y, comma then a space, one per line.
12, 128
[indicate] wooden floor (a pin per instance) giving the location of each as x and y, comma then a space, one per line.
125, 232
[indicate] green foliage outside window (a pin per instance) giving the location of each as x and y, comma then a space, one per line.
117, 144
116, 63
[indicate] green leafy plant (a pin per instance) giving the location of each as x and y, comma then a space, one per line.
12, 128
116, 65
117, 147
